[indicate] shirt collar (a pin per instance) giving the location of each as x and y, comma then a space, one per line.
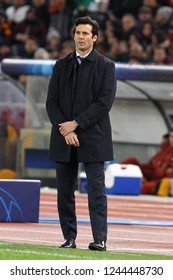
77, 54
91, 56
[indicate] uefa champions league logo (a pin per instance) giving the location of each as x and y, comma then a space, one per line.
9, 207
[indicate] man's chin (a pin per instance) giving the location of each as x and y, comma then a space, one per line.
82, 48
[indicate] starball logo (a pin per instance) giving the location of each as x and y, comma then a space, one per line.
9, 207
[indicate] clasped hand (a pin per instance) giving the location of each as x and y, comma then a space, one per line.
67, 130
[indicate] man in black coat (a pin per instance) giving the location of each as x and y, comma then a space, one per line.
80, 95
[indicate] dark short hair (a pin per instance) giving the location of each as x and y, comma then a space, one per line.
87, 20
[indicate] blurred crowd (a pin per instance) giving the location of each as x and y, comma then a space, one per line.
131, 31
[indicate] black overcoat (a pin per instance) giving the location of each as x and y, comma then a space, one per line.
86, 99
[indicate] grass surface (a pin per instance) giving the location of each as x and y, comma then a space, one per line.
13, 251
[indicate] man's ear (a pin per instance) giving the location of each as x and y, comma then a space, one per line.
95, 38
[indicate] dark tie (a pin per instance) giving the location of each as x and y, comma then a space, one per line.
80, 59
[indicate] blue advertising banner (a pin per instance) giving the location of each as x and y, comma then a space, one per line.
19, 200
122, 71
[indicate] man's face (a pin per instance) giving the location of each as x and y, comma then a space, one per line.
84, 39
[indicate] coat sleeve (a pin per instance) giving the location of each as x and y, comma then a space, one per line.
101, 107
52, 102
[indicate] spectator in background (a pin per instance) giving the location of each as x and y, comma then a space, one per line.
162, 169
102, 37
129, 26
160, 56
147, 30
16, 12
152, 4
61, 16
145, 14
113, 27
101, 44
163, 18
41, 8
8, 143
5, 28
54, 52
113, 48
5, 50
53, 37
7, 129
67, 47
53, 42
31, 26
27, 50
149, 167
158, 40
134, 38
123, 52
41, 53
136, 53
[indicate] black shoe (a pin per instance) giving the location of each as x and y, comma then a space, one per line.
97, 246
69, 243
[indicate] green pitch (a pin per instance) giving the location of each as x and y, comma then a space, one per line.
13, 251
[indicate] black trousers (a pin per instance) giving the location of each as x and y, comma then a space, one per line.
67, 174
